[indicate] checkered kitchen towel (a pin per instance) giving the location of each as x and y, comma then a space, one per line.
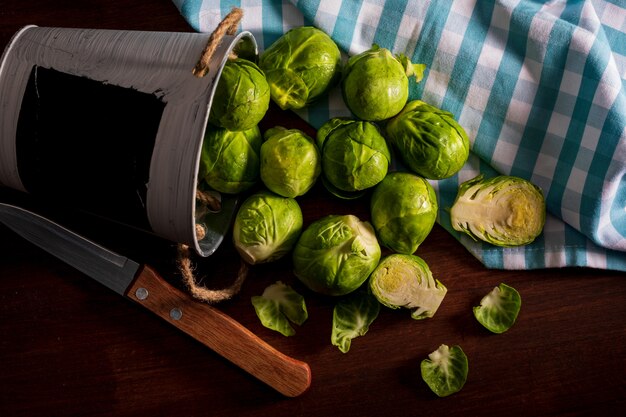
540, 88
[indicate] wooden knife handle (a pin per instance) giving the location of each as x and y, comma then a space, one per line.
221, 333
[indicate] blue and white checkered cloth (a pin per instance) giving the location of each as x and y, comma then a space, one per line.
540, 88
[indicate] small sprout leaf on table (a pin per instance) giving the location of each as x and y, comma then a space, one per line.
445, 370
499, 309
278, 306
352, 317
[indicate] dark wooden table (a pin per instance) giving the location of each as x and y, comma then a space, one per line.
70, 347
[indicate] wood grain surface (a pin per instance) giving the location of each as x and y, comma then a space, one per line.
70, 347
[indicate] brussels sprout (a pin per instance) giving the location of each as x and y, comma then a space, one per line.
406, 281
266, 227
352, 317
498, 310
278, 305
431, 143
375, 85
242, 96
503, 210
445, 370
404, 209
229, 161
335, 254
355, 155
301, 66
290, 162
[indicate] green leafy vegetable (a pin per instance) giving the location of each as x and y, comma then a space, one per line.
278, 305
266, 227
404, 209
352, 317
406, 281
355, 155
498, 310
229, 160
375, 85
430, 142
445, 370
301, 66
503, 210
242, 96
290, 162
336, 254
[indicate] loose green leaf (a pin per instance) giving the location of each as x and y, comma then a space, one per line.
352, 317
278, 305
445, 370
498, 310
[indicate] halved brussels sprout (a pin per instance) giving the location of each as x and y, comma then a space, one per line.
404, 209
498, 310
242, 96
301, 66
375, 84
352, 317
355, 155
407, 281
431, 143
335, 254
290, 162
445, 370
266, 227
229, 160
278, 305
503, 210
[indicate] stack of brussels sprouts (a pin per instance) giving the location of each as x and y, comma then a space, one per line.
337, 254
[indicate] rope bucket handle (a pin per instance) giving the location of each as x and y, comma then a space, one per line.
227, 26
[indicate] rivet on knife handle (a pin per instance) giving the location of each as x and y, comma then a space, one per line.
221, 333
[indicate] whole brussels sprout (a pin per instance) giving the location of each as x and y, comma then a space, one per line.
503, 210
375, 85
229, 161
301, 66
266, 227
355, 155
242, 96
406, 281
431, 143
403, 209
290, 162
335, 254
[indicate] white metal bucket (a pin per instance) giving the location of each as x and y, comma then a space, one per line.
112, 122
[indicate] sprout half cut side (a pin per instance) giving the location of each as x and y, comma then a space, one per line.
503, 210
406, 281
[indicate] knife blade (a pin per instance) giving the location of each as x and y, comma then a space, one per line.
143, 285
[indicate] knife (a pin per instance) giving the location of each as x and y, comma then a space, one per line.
143, 285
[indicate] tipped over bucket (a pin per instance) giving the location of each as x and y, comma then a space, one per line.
112, 122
